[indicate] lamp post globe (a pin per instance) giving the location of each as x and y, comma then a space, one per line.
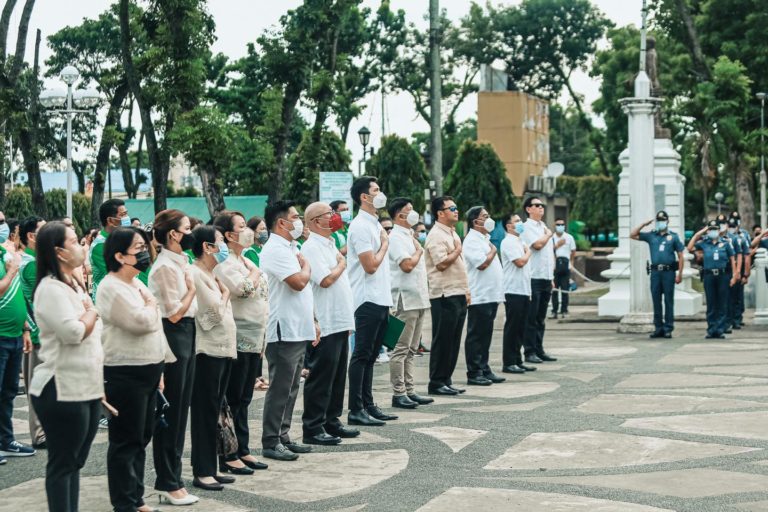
53, 98
86, 98
69, 75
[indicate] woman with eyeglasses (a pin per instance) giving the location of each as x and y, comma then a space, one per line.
67, 387
171, 283
216, 349
135, 351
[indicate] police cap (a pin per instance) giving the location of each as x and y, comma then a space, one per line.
713, 224
662, 215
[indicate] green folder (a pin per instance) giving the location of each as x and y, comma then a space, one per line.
394, 330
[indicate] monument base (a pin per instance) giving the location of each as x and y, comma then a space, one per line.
636, 323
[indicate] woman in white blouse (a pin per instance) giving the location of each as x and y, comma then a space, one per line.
67, 387
174, 289
215, 347
248, 292
135, 352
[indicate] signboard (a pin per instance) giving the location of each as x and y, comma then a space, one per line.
335, 186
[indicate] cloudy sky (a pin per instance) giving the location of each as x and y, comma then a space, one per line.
241, 21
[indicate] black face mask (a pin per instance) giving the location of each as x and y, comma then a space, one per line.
187, 241
143, 261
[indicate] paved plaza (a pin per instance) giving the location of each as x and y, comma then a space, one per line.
619, 423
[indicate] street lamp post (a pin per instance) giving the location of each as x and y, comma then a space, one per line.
763, 177
719, 198
365, 136
56, 99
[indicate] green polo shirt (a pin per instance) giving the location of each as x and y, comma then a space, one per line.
340, 237
13, 309
253, 253
28, 275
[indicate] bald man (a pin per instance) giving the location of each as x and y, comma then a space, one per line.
327, 359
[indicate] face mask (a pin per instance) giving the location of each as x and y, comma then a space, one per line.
263, 237
732, 231
223, 253
519, 227
723, 227
560, 229
713, 234
143, 260
661, 225
489, 224
346, 216
125, 221
422, 237
380, 201
245, 238
336, 222
5, 232
298, 229
412, 218
187, 241
76, 257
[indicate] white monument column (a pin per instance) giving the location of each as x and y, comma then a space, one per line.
761, 287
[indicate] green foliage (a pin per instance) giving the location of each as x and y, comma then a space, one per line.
453, 137
593, 200
81, 208
309, 160
478, 177
18, 203
188, 191
569, 142
400, 170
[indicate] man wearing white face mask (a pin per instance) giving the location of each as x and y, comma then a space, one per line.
370, 279
486, 292
565, 250
411, 299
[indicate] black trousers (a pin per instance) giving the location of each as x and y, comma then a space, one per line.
168, 442
663, 286
132, 390
562, 282
716, 290
70, 428
286, 360
324, 388
516, 308
371, 322
242, 380
480, 319
448, 316
541, 289
211, 377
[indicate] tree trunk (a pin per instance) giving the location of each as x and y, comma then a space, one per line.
290, 99
122, 149
28, 137
21, 40
5, 23
695, 47
584, 121
214, 196
137, 172
744, 184
105, 146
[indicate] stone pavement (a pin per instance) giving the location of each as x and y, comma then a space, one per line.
619, 423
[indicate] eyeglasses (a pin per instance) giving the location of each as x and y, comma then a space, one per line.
329, 212
537, 205
450, 208
387, 229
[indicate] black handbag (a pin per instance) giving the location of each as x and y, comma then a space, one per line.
227, 440
562, 265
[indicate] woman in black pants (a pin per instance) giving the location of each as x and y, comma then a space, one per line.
135, 351
67, 387
172, 286
215, 342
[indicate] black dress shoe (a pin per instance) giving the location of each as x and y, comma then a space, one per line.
375, 412
343, 432
478, 381
494, 378
657, 334
728, 331
458, 390
322, 439
224, 479
362, 418
254, 464
226, 468
443, 390
667, 335
736, 326
207, 487
512, 369
710, 336
527, 368
547, 358
421, 400
297, 448
403, 402
533, 358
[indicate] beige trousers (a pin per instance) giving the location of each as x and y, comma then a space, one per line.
401, 360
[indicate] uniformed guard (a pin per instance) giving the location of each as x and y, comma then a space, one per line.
717, 253
666, 259
737, 322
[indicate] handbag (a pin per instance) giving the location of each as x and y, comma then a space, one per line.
227, 440
562, 265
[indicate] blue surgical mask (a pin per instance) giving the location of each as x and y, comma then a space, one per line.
560, 229
125, 221
661, 225
5, 232
519, 227
422, 237
713, 234
223, 253
346, 216
263, 237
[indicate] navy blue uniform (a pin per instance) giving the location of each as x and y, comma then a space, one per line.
717, 258
733, 291
664, 248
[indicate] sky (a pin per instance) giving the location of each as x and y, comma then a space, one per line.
241, 21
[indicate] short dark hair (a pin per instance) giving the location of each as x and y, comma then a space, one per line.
278, 210
438, 204
13, 223
419, 224
386, 219
194, 222
254, 222
27, 226
51, 236
165, 222
472, 215
203, 235
508, 219
529, 200
753, 227
226, 220
559, 218
133, 219
361, 186
398, 204
119, 241
109, 209
335, 204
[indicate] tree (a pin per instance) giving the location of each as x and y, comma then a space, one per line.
478, 177
400, 170
569, 144
309, 160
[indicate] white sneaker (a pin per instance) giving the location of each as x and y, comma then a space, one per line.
383, 358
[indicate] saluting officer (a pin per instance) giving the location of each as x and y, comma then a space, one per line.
746, 269
718, 257
736, 296
666, 258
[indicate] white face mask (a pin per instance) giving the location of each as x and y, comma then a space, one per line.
489, 224
379, 200
413, 218
298, 229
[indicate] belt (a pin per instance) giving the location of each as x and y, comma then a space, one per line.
714, 272
664, 268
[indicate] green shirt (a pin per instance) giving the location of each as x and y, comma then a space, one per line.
28, 275
340, 237
99, 264
13, 309
252, 253
190, 255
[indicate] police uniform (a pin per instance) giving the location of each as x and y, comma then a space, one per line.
737, 321
717, 256
664, 246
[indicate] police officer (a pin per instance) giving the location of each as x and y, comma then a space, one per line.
746, 268
736, 299
718, 256
666, 258
735, 241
